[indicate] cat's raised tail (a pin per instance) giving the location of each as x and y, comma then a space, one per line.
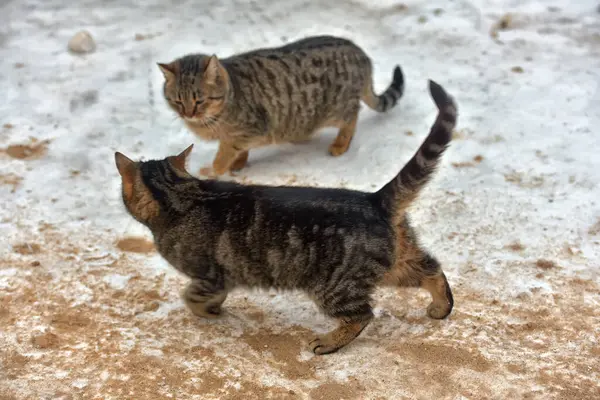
389, 98
401, 191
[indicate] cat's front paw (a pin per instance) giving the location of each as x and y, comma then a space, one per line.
324, 345
204, 310
208, 172
438, 311
337, 150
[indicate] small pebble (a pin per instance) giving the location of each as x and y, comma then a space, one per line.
82, 42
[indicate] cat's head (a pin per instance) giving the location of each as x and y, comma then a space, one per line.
196, 87
145, 183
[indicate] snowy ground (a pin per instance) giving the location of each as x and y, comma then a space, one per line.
513, 213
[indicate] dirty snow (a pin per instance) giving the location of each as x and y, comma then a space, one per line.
513, 212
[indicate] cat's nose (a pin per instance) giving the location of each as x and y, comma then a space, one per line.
189, 112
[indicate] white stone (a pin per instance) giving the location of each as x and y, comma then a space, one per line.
82, 42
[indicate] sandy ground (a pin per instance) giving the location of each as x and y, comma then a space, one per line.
89, 310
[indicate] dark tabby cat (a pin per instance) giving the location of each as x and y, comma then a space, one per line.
275, 95
337, 245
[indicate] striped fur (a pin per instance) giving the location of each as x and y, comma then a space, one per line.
275, 95
401, 191
336, 245
389, 98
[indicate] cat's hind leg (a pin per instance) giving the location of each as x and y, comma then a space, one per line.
441, 294
417, 268
347, 129
203, 298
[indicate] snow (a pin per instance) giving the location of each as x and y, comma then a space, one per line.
536, 184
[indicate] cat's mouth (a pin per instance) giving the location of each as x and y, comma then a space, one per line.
198, 120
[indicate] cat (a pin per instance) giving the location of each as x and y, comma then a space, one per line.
336, 245
275, 95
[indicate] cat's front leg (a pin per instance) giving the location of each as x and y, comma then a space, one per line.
230, 157
204, 298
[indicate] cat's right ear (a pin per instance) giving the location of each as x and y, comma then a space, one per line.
178, 161
168, 70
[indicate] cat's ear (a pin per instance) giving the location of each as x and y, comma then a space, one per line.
213, 71
168, 70
124, 164
178, 161
126, 169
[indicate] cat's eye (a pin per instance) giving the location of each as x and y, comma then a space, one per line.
216, 98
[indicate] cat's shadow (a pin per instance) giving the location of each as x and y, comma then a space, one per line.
316, 150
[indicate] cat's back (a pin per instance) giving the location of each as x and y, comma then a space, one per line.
301, 86
304, 206
299, 48
285, 202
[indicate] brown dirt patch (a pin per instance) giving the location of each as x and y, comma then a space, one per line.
503, 24
31, 151
467, 164
8, 396
11, 180
435, 354
13, 363
136, 245
545, 264
338, 391
516, 246
251, 390
70, 320
563, 385
282, 350
522, 180
27, 248
44, 340
595, 229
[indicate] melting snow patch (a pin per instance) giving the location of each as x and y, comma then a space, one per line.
117, 281
80, 383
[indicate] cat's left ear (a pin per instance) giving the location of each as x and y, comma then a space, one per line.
178, 161
126, 169
213, 71
125, 166
168, 70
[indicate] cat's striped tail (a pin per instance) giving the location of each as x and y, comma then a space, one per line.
389, 98
399, 193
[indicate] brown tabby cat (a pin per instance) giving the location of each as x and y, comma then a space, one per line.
337, 245
275, 95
